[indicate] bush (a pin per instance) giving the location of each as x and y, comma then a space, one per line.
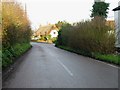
89, 36
16, 32
9, 54
15, 24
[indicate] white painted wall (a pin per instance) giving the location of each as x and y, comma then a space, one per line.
117, 26
54, 33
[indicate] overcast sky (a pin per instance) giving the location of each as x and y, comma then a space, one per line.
52, 11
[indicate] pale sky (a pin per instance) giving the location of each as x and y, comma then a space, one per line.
52, 11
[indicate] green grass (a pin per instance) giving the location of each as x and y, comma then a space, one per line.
21, 48
115, 59
10, 54
110, 58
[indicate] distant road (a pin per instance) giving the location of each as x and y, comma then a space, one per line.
46, 66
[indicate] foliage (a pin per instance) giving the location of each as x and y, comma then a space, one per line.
61, 39
100, 9
15, 24
46, 38
59, 24
9, 54
88, 36
111, 58
16, 32
54, 39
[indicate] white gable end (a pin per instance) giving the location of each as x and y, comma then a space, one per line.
54, 33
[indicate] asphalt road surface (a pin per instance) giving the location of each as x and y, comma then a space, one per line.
46, 66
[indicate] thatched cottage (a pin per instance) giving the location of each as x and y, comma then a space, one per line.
51, 30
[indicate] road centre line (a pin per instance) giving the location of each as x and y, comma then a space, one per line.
71, 74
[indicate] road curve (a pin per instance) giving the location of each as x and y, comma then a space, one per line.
46, 66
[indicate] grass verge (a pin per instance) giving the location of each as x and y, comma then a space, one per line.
10, 54
110, 58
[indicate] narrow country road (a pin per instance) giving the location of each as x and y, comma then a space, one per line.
46, 66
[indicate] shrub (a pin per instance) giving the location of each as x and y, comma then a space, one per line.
9, 54
15, 24
16, 32
89, 36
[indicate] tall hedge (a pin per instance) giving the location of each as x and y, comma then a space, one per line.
90, 36
16, 32
15, 24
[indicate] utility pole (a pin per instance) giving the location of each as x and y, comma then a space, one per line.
25, 9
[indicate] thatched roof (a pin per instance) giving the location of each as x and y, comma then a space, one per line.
45, 30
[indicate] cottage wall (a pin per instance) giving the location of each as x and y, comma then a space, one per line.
54, 33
